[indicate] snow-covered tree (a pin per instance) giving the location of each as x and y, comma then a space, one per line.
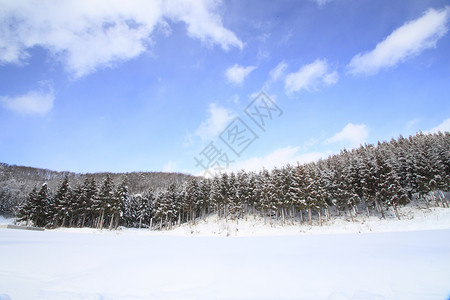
40, 212
25, 212
61, 209
105, 202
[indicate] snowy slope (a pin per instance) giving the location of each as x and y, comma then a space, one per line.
413, 218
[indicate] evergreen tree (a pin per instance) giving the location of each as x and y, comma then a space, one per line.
203, 197
132, 210
223, 195
214, 195
192, 199
297, 192
25, 212
85, 195
244, 192
78, 206
60, 209
266, 194
141, 207
40, 213
118, 205
234, 204
105, 201
390, 189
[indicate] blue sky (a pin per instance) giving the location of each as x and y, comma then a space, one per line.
125, 86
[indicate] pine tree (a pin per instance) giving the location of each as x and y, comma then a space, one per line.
40, 213
266, 194
253, 192
223, 195
85, 195
146, 212
203, 197
60, 209
192, 199
25, 212
297, 191
244, 192
91, 194
105, 201
390, 189
423, 167
118, 204
312, 190
165, 210
234, 204
214, 195
74, 205
132, 210
141, 208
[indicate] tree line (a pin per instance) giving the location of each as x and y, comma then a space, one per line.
371, 179
17, 181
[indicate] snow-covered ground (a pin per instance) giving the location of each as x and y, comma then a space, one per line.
5, 221
412, 218
389, 259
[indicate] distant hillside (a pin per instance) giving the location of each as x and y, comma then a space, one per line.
17, 181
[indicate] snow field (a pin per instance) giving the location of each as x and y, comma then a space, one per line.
389, 259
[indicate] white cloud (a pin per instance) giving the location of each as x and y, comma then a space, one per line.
412, 123
236, 74
216, 122
202, 22
278, 71
170, 166
88, 35
310, 77
34, 102
403, 43
321, 3
310, 142
331, 78
355, 134
278, 158
444, 126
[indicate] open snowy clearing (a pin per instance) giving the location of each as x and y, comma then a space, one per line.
141, 264
59, 265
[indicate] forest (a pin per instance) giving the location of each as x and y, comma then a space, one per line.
371, 179
17, 181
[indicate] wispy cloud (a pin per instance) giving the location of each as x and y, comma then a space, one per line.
38, 102
355, 134
444, 126
322, 3
310, 77
218, 118
87, 36
277, 72
275, 159
237, 74
170, 166
278, 158
202, 21
412, 123
403, 43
